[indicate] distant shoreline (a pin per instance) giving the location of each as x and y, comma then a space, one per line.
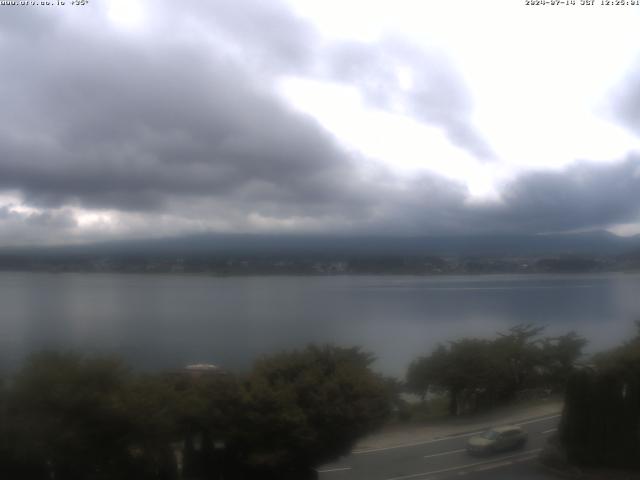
214, 274
317, 265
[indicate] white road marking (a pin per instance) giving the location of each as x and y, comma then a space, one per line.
503, 464
468, 465
328, 470
442, 439
415, 444
549, 431
496, 465
445, 453
539, 420
484, 468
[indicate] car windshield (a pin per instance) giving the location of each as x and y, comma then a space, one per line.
490, 435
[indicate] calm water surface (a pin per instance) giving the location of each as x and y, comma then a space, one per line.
164, 321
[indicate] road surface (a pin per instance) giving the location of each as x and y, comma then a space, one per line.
446, 458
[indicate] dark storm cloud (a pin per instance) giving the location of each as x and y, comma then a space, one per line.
584, 195
276, 40
434, 93
427, 204
158, 124
120, 124
271, 36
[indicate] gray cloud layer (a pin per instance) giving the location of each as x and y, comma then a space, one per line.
584, 195
185, 124
626, 101
434, 94
116, 124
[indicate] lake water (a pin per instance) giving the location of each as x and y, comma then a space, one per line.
166, 321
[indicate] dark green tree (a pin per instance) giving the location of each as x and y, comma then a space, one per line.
601, 420
151, 406
208, 411
466, 370
519, 352
307, 407
476, 373
626, 355
559, 357
68, 418
79, 418
427, 373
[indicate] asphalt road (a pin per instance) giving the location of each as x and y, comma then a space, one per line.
446, 458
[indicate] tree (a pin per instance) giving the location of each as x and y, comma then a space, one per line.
477, 373
151, 406
68, 418
208, 412
600, 420
303, 408
559, 357
77, 418
601, 417
422, 373
626, 355
519, 352
465, 370
474, 375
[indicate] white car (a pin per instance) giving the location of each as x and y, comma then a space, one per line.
498, 439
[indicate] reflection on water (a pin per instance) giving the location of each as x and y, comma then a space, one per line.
157, 321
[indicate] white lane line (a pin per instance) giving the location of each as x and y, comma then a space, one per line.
445, 453
493, 466
415, 444
467, 465
328, 470
551, 430
443, 439
506, 463
538, 420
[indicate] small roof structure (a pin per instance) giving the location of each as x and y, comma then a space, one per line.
197, 370
203, 367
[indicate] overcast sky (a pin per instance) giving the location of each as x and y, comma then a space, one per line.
137, 118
